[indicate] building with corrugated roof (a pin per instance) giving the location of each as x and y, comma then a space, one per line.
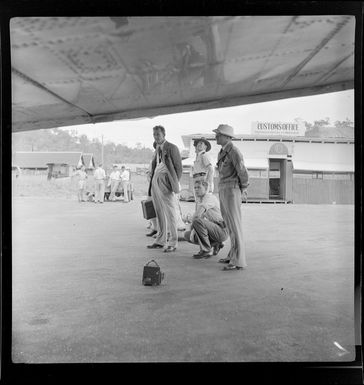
56, 163
286, 168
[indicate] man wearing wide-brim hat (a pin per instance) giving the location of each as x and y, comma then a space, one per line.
202, 166
233, 183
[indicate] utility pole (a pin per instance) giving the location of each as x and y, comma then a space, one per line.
102, 150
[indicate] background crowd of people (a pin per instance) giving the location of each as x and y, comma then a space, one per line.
116, 181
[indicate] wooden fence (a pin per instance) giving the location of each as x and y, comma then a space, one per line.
323, 191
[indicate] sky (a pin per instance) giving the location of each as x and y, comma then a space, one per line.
336, 106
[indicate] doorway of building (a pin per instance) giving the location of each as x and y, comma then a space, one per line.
275, 182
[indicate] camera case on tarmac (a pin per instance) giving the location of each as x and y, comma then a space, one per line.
152, 275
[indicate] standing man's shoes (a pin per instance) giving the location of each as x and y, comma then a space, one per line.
151, 233
231, 267
169, 249
155, 246
224, 260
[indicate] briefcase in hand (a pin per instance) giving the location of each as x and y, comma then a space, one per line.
148, 209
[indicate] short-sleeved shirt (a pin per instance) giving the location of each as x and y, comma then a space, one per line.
209, 208
99, 174
201, 163
125, 176
115, 175
82, 174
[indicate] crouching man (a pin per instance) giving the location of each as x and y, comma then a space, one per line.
208, 229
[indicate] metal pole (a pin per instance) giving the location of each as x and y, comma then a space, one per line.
102, 150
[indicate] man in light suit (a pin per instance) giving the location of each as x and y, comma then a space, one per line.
166, 172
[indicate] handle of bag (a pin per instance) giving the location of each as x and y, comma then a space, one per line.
151, 262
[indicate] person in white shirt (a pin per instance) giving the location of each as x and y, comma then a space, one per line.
208, 229
114, 182
81, 184
125, 177
99, 176
202, 166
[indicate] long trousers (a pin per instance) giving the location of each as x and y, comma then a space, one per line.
99, 190
230, 205
207, 234
165, 207
114, 186
125, 185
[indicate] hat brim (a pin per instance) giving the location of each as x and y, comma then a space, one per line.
207, 143
219, 132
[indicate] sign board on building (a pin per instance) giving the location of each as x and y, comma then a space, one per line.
279, 128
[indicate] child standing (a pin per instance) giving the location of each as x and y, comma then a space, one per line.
81, 184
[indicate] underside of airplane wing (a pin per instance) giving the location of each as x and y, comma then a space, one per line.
76, 70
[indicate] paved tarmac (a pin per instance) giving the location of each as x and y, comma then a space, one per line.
78, 297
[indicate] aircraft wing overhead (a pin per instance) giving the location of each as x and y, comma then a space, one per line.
75, 70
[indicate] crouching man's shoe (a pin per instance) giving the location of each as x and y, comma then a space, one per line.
203, 254
217, 248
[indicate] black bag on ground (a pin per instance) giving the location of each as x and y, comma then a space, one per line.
152, 275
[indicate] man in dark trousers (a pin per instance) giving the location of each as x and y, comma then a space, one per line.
233, 183
166, 172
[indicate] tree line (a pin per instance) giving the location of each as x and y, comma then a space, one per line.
65, 140
344, 127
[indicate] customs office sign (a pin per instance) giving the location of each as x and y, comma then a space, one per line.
278, 128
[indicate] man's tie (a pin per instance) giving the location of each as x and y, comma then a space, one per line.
219, 157
159, 154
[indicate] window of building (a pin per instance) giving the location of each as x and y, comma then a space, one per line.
274, 165
302, 175
333, 176
343, 176
258, 173
274, 174
254, 173
329, 175
318, 175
